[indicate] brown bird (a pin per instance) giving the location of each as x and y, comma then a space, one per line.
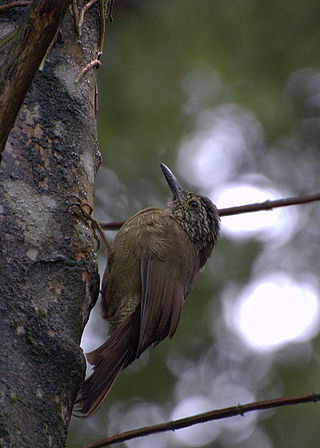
151, 269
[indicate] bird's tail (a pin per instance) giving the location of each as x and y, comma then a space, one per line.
108, 360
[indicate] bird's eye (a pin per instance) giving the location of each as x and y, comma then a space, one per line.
193, 204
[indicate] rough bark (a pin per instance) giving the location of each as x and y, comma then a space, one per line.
31, 41
48, 273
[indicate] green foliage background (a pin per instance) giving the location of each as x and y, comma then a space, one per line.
165, 62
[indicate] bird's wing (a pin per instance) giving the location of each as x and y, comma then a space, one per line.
162, 297
167, 274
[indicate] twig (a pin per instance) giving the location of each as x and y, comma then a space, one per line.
76, 16
48, 50
102, 31
266, 205
110, 10
205, 417
8, 37
79, 18
82, 13
16, 4
93, 63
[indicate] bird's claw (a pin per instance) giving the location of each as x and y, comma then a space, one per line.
87, 216
81, 204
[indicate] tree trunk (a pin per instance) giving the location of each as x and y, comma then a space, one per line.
48, 272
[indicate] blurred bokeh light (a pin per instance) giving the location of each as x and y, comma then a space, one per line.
275, 310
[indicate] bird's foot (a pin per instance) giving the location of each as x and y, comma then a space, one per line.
85, 212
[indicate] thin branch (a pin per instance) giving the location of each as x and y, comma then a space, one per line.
102, 26
89, 66
266, 205
42, 20
41, 66
110, 10
113, 225
76, 15
82, 13
79, 19
7, 38
15, 4
205, 417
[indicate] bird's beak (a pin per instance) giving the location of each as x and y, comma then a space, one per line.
173, 182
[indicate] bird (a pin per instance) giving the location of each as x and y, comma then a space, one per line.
151, 269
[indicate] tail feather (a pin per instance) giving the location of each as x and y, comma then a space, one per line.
108, 360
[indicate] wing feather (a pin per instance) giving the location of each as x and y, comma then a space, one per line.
161, 303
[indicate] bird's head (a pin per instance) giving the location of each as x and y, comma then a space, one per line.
196, 214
